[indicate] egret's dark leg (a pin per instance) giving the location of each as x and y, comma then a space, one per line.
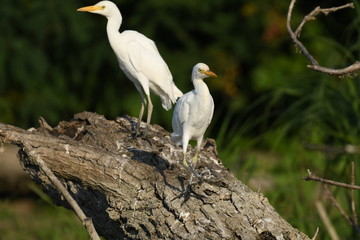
143, 104
149, 113
140, 117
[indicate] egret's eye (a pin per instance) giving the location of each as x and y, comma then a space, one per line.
102, 7
200, 70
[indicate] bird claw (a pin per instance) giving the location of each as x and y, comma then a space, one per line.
191, 167
194, 161
186, 164
193, 172
137, 133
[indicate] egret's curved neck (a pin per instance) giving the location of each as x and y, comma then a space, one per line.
112, 29
114, 23
200, 87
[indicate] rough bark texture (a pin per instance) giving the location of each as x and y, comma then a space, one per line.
135, 188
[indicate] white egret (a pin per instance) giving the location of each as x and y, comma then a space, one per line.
193, 113
139, 59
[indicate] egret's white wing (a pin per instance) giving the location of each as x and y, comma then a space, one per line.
146, 59
182, 111
212, 109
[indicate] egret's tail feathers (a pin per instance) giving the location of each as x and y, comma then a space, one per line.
177, 93
167, 97
166, 103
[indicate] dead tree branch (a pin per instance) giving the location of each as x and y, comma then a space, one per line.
353, 205
136, 188
87, 222
351, 222
316, 234
312, 177
312, 15
332, 199
355, 67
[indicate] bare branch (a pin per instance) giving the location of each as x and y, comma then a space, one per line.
352, 69
295, 39
87, 222
312, 15
329, 196
316, 234
44, 124
312, 177
294, 36
353, 207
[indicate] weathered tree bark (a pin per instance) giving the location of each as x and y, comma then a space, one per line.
135, 188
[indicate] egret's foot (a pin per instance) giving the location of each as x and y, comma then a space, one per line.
193, 172
137, 133
190, 182
189, 167
191, 163
146, 130
194, 161
186, 164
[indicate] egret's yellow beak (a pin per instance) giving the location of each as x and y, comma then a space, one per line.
210, 73
89, 8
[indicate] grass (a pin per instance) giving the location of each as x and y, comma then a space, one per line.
36, 219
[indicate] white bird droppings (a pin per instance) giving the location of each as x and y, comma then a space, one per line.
184, 215
67, 148
203, 221
118, 145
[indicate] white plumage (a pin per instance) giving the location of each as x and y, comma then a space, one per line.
193, 112
139, 59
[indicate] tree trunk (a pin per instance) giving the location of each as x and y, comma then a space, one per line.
136, 188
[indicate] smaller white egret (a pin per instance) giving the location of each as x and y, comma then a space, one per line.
193, 113
139, 59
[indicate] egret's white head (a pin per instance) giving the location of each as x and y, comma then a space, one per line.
106, 8
201, 71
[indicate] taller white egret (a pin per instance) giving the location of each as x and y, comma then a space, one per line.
139, 59
193, 112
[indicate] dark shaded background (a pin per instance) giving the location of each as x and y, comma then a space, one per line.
55, 62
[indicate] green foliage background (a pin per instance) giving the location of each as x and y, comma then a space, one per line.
55, 62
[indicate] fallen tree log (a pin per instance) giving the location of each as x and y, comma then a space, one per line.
136, 188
